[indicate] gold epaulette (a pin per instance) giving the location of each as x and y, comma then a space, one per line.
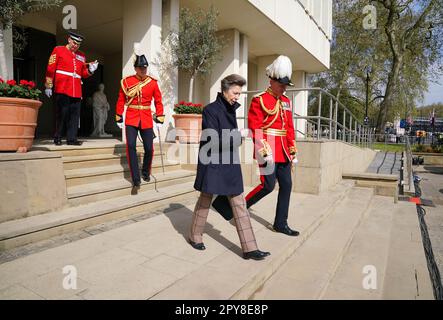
259, 94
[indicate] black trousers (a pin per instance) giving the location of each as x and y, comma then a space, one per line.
67, 115
131, 151
282, 174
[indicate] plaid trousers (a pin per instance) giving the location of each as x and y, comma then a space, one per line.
241, 218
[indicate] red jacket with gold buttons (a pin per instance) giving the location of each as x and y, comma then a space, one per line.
270, 120
65, 71
138, 94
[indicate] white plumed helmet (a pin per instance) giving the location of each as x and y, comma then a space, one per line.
280, 70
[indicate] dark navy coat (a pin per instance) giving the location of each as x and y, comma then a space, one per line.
218, 169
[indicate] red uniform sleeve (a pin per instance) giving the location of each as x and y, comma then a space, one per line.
255, 123
120, 106
159, 113
85, 70
52, 67
290, 133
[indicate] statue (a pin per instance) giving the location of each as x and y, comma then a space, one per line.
101, 108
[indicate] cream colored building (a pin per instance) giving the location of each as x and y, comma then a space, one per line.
255, 32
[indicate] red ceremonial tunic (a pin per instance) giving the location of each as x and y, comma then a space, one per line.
138, 95
65, 71
270, 120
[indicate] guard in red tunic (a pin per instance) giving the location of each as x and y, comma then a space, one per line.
66, 68
137, 93
270, 120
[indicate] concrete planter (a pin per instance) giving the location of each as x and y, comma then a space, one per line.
188, 127
17, 123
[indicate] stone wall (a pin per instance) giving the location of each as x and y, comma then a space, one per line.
31, 184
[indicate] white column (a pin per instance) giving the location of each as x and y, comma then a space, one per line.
244, 73
155, 38
142, 22
262, 78
230, 62
7, 74
168, 73
300, 104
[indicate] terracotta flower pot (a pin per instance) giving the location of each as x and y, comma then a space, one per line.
18, 120
188, 127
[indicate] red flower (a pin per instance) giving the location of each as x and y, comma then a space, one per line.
189, 104
11, 82
23, 82
198, 105
31, 84
181, 102
1, 80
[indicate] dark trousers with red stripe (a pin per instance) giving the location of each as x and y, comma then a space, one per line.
147, 136
282, 174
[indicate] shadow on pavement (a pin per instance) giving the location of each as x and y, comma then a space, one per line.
181, 219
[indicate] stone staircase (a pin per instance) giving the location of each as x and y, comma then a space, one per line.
99, 189
365, 235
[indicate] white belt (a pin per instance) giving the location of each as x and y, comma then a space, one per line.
71, 74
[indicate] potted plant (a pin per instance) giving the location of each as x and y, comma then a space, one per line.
195, 49
19, 107
18, 102
188, 121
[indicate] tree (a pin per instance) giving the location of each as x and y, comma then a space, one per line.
393, 87
196, 47
10, 12
413, 30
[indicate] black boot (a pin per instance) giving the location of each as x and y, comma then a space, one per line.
146, 177
288, 231
198, 246
255, 255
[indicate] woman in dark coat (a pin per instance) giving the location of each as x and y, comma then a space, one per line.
219, 171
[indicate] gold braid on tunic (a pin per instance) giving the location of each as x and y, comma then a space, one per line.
134, 91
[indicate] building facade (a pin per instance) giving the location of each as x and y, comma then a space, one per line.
255, 32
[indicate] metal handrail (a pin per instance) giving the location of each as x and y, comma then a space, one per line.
350, 130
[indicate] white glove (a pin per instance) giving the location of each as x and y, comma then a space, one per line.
48, 92
295, 160
269, 158
120, 125
158, 126
93, 66
244, 133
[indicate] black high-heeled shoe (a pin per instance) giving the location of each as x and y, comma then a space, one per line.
255, 255
198, 246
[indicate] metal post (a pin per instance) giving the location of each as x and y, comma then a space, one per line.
336, 120
331, 105
401, 182
356, 132
319, 117
350, 128
344, 125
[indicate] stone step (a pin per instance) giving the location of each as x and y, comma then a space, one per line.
367, 255
83, 176
307, 272
237, 278
99, 160
32, 229
407, 275
167, 267
92, 192
102, 147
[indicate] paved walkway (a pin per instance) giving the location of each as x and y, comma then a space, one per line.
150, 259
432, 189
